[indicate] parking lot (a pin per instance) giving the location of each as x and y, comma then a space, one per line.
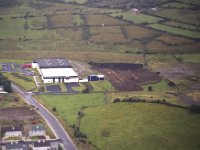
7, 67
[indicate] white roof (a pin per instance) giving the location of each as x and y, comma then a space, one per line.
58, 72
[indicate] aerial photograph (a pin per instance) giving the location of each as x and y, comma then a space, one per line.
99, 74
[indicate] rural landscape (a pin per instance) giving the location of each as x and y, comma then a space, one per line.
100, 74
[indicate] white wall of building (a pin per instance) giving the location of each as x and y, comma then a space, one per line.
41, 148
13, 134
37, 133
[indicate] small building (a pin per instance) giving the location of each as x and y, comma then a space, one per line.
27, 65
2, 91
38, 130
12, 131
55, 70
95, 77
15, 146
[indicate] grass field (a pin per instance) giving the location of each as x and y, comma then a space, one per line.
177, 31
11, 28
173, 40
189, 58
160, 86
80, 56
177, 5
137, 18
141, 126
102, 86
103, 19
182, 25
68, 106
180, 15
137, 32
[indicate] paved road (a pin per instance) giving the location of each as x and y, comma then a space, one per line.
51, 120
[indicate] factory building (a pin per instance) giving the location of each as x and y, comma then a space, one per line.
55, 70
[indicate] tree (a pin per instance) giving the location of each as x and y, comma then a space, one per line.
116, 100
2, 79
7, 86
54, 109
150, 88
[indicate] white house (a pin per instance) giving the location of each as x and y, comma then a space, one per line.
38, 130
55, 70
12, 131
45, 145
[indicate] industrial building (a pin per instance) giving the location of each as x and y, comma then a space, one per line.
55, 70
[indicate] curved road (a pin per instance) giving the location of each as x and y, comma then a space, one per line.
54, 124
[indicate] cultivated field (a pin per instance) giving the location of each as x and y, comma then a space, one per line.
126, 77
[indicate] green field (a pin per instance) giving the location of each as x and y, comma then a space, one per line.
160, 86
68, 106
141, 126
177, 5
177, 31
182, 25
25, 82
180, 15
137, 18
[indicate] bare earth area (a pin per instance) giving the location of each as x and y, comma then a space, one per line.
126, 77
175, 71
18, 113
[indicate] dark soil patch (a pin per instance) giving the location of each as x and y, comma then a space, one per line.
53, 88
126, 77
18, 113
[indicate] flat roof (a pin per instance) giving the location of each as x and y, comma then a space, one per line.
58, 72
53, 63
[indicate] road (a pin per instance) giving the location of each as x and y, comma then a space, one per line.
51, 120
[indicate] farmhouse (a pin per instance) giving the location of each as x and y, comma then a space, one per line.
12, 131
38, 130
55, 70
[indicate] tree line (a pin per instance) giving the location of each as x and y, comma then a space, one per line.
5, 83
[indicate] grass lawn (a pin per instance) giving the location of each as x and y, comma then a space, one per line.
68, 106
141, 126
26, 82
102, 86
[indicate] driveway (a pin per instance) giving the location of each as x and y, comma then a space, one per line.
53, 88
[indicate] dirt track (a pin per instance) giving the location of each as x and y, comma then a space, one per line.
126, 77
